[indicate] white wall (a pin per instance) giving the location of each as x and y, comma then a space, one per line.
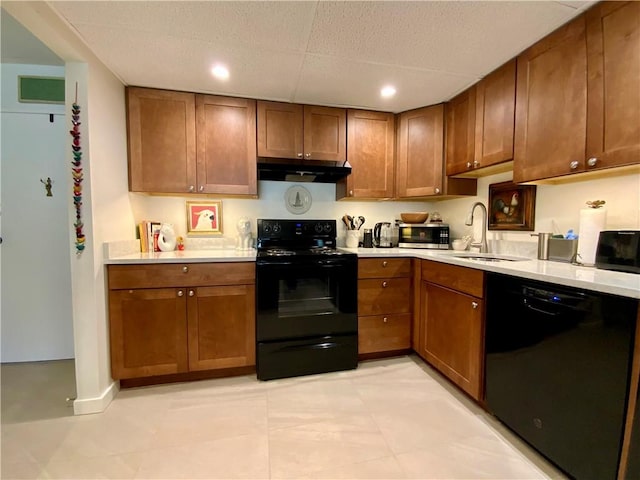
557, 206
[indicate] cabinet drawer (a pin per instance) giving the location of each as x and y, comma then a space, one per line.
462, 279
384, 333
180, 275
384, 267
384, 295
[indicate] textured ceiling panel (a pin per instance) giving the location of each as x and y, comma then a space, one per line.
319, 52
343, 82
457, 37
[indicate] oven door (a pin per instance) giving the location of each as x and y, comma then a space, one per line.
305, 297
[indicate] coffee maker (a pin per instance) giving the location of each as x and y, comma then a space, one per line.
382, 235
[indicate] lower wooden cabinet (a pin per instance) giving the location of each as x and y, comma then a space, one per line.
206, 323
384, 305
451, 323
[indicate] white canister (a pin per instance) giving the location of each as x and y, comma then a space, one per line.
592, 222
167, 238
353, 238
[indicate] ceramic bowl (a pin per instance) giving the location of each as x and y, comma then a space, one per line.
414, 217
459, 244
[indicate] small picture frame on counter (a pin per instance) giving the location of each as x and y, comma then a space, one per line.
204, 218
512, 206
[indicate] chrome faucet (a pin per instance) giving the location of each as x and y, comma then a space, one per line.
483, 241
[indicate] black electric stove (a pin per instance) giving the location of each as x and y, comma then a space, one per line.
306, 289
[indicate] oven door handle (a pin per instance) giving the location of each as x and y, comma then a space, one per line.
310, 346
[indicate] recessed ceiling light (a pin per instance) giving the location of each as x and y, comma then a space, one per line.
388, 91
220, 71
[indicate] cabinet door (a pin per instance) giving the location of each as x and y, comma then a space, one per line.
371, 153
420, 164
325, 133
280, 130
451, 336
551, 105
221, 327
148, 329
613, 48
161, 140
495, 116
226, 138
461, 132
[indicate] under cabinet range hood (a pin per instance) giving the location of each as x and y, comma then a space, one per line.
319, 172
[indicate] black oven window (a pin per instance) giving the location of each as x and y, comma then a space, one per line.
307, 296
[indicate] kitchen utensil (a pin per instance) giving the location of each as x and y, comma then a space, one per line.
361, 221
367, 241
414, 217
382, 234
346, 219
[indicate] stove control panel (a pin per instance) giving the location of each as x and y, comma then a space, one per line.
290, 232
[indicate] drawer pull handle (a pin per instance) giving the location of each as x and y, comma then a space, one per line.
191, 294
384, 319
185, 269
385, 284
180, 293
474, 305
385, 263
592, 161
573, 165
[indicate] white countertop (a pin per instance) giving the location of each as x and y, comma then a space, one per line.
192, 256
588, 278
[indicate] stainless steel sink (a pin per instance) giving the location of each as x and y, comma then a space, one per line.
484, 257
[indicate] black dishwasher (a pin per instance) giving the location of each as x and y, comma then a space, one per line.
557, 370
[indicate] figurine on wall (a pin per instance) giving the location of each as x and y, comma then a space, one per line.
47, 185
244, 240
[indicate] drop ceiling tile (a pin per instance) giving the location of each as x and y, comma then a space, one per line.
458, 37
164, 61
281, 25
342, 82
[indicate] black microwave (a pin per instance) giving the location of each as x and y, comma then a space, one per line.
619, 250
423, 235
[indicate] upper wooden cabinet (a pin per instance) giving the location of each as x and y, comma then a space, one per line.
480, 124
308, 132
495, 117
420, 161
161, 128
420, 135
461, 132
371, 154
578, 96
226, 141
187, 143
613, 84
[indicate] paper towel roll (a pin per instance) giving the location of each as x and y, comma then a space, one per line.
592, 222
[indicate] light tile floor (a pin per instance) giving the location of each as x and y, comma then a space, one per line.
389, 419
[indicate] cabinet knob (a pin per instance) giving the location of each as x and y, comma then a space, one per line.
351, 193
307, 155
474, 305
300, 155
185, 269
573, 165
130, 291
384, 319
592, 161
385, 263
201, 188
191, 293
437, 190
385, 284
469, 165
192, 188
476, 164
180, 293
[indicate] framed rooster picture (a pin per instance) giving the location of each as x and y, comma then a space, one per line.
512, 206
204, 218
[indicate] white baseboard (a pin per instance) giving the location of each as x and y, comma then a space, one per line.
83, 406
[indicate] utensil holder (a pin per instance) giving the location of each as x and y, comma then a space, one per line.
353, 238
